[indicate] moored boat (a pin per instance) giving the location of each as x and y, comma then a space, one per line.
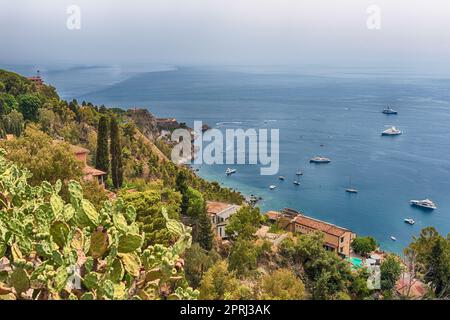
392, 131
350, 189
426, 204
389, 110
271, 187
409, 221
230, 171
319, 159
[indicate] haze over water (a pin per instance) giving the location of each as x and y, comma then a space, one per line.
339, 109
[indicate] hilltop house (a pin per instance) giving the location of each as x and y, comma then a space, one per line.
167, 123
90, 173
219, 213
36, 80
337, 239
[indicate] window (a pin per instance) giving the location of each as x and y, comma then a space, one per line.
342, 239
341, 249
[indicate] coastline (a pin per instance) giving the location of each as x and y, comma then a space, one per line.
349, 125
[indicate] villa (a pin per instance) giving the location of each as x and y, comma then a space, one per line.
37, 80
167, 123
219, 213
90, 173
337, 239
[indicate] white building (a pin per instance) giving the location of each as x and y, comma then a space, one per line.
220, 212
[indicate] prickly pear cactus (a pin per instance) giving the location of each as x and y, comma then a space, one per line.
50, 249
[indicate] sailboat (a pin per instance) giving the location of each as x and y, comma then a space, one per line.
350, 189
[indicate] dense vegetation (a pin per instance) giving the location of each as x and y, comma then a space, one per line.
132, 238
57, 250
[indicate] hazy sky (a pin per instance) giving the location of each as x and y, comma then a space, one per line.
280, 32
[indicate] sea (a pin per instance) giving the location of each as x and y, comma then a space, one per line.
318, 110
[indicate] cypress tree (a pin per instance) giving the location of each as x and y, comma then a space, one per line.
102, 157
116, 154
204, 233
181, 186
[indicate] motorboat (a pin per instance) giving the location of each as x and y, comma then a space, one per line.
230, 171
393, 238
296, 182
409, 221
389, 110
392, 131
281, 178
426, 204
271, 187
299, 173
319, 159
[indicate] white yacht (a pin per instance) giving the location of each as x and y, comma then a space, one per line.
271, 187
281, 178
230, 171
393, 238
319, 159
392, 131
409, 221
389, 110
296, 182
299, 173
427, 204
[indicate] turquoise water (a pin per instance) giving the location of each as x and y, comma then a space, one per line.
356, 262
339, 109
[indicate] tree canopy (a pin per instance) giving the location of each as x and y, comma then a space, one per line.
47, 159
282, 284
244, 223
364, 245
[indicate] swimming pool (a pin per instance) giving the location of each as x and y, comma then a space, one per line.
356, 262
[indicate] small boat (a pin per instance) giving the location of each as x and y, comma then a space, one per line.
392, 131
409, 221
319, 159
350, 189
230, 171
389, 110
296, 182
393, 238
426, 204
281, 178
272, 187
299, 173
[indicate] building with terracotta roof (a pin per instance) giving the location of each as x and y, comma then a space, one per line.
409, 287
167, 123
219, 213
336, 238
273, 216
89, 172
36, 80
